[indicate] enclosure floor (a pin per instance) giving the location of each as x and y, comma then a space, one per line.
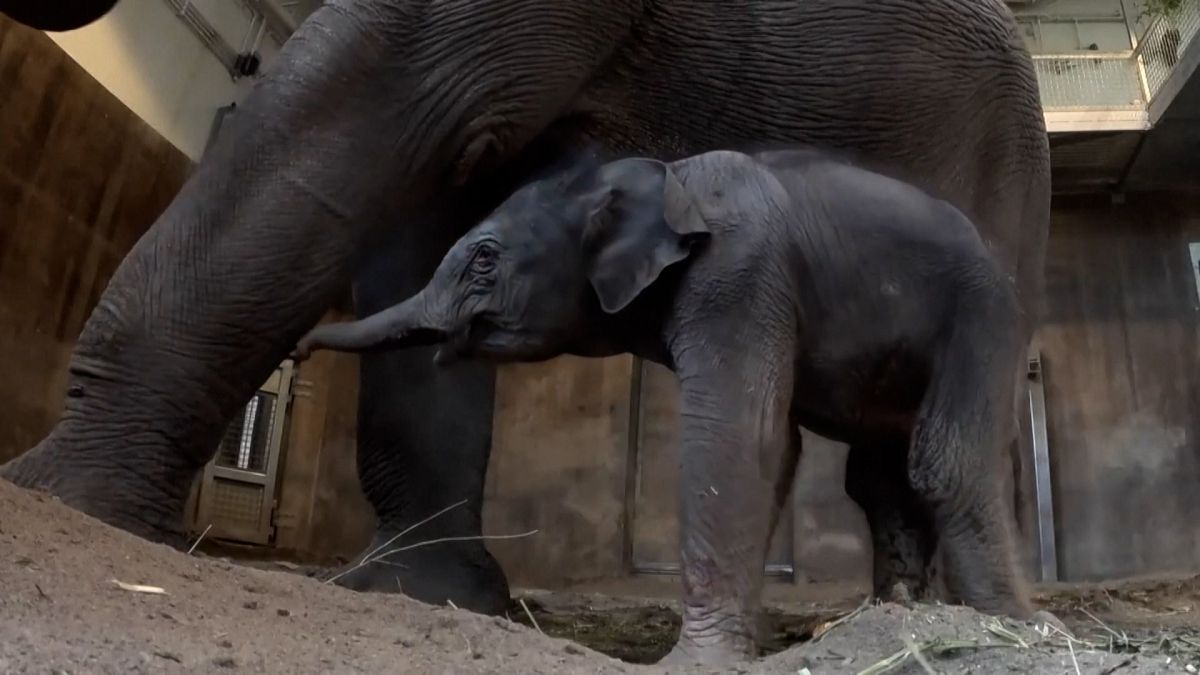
62, 611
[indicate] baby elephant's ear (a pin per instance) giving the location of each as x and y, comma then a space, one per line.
640, 220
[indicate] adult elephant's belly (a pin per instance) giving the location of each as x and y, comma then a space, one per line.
961, 118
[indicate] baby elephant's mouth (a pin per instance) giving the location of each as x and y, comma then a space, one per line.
456, 344
424, 337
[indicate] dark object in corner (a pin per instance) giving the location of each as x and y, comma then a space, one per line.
56, 15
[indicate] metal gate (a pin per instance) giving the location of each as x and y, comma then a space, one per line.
235, 497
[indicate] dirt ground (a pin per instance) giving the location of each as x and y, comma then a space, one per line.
62, 611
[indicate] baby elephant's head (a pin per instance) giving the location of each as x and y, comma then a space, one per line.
529, 282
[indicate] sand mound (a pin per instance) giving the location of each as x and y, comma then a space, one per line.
951, 640
61, 610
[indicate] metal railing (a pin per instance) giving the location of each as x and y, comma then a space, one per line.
1124, 80
1095, 80
1163, 44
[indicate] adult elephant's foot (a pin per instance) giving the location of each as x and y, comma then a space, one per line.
462, 573
84, 476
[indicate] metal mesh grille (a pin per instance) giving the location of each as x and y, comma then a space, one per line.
1121, 80
1108, 81
247, 437
1164, 42
235, 502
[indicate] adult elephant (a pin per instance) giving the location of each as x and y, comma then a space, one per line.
390, 126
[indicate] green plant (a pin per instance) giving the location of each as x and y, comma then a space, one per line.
1161, 8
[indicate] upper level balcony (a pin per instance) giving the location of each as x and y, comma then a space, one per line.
1105, 65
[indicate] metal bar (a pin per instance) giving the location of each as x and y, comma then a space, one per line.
673, 569
254, 19
1112, 17
1141, 47
1047, 548
1130, 25
1194, 251
1095, 119
632, 454
280, 22
239, 475
205, 33
1086, 56
1143, 79
262, 29
279, 425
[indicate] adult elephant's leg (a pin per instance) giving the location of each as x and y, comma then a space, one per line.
902, 536
246, 258
424, 436
366, 107
424, 431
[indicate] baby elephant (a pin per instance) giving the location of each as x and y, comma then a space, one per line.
784, 289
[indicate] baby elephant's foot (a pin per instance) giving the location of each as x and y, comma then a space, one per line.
898, 593
717, 638
1046, 622
720, 652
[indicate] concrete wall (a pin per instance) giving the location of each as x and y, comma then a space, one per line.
1119, 343
145, 55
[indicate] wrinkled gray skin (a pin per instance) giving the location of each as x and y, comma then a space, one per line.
785, 290
387, 128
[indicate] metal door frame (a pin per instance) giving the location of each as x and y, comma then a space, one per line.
280, 384
1043, 492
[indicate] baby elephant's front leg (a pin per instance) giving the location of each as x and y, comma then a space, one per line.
736, 440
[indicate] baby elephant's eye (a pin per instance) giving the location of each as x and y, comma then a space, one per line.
484, 261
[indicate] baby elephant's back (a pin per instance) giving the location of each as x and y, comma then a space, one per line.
875, 219
883, 259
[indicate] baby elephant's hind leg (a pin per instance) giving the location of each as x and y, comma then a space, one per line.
964, 428
902, 535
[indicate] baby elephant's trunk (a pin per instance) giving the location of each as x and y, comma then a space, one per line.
408, 324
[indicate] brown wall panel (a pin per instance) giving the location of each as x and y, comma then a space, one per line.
558, 465
323, 515
81, 178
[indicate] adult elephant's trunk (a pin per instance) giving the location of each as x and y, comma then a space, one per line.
370, 107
